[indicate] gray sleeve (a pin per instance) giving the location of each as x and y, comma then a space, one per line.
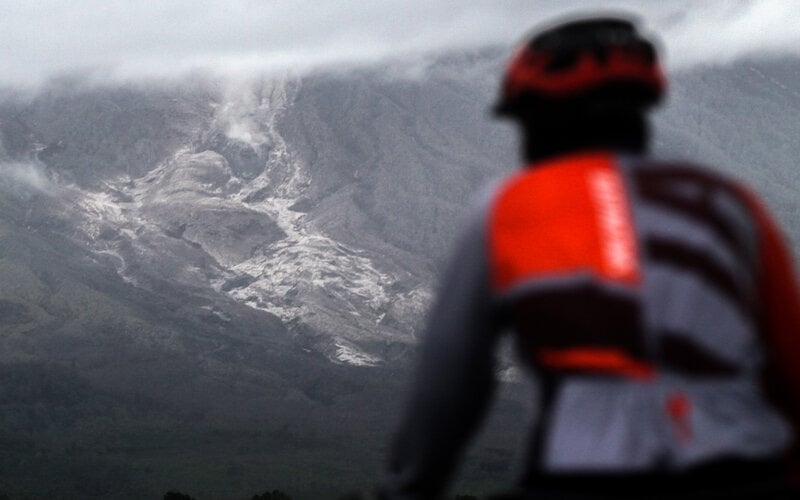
455, 377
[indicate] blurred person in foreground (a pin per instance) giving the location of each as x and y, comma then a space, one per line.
655, 302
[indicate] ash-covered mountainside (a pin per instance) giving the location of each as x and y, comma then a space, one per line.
327, 201
223, 276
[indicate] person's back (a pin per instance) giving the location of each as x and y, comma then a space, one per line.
633, 289
651, 299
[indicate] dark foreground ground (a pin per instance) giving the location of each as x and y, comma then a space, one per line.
62, 435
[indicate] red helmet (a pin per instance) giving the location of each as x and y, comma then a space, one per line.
587, 60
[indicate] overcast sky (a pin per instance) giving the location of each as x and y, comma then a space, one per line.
39, 38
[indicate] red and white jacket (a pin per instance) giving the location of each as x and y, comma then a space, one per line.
658, 302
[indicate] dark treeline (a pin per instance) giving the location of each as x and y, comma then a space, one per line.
279, 495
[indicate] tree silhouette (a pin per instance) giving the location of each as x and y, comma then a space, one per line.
177, 495
275, 495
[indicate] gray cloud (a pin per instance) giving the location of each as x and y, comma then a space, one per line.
122, 39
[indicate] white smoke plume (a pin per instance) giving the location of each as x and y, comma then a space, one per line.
25, 176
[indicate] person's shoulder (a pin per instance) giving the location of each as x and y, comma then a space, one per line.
659, 163
662, 167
